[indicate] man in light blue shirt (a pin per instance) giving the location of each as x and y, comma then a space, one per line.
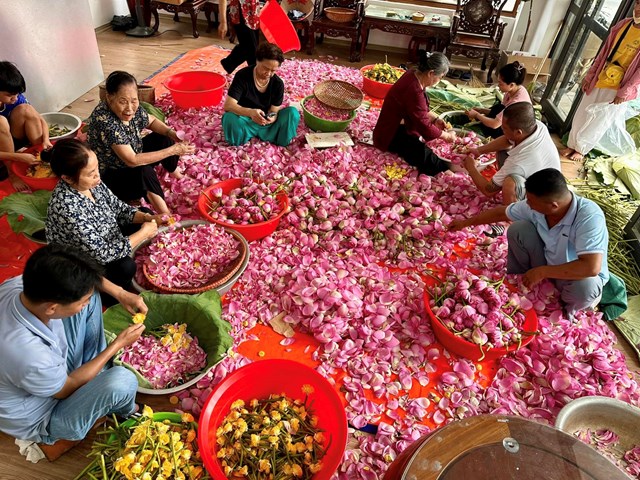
556, 235
54, 383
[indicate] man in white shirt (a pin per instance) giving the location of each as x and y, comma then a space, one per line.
525, 148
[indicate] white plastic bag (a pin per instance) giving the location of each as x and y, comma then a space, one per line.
604, 129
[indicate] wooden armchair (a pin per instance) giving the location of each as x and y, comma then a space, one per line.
322, 25
476, 31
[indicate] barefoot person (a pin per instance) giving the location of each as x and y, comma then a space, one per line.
614, 77
510, 79
405, 116
127, 160
556, 235
253, 107
20, 124
85, 216
54, 379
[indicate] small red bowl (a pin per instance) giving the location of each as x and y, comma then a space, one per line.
253, 231
20, 169
464, 348
261, 379
373, 88
196, 89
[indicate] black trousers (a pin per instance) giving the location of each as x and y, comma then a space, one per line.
493, 113
245, 50
121, 273
416, 153
133, 183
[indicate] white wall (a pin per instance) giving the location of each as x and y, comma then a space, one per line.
102, 11
55, 49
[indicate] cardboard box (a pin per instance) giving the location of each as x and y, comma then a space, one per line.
531, 62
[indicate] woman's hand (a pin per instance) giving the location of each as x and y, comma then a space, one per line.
448, 136
258, 116
149, 229
472, 114
183, 148
617, 100
440, 123
131, 302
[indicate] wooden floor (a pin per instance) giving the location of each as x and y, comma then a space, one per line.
142, 57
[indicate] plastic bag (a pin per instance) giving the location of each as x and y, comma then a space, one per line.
604, 129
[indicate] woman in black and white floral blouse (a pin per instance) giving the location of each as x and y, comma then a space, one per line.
126, 159
86, 216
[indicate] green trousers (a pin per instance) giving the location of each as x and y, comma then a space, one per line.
239, 130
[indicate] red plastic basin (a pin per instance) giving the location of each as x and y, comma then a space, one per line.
259, 380
196, 89
373, 88
253, 231
20, 169
464, 348
277, 27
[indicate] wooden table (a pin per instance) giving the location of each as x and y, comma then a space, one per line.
501, 447
375, 17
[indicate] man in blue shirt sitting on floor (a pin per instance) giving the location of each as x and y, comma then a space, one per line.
54, 379
556, 235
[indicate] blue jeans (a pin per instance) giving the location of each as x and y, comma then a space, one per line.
113, 390
238, 130
526, 251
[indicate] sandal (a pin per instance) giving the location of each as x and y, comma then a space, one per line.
454, 73
466, 76
495, 231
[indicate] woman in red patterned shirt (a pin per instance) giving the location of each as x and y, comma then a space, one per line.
243, 14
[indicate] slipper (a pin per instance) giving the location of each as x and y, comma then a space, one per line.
466, 76
454, 73
496, 231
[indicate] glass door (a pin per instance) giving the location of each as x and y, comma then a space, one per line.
583, 31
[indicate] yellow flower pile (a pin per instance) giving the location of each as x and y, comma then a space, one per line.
177, 337
395, 172
273, 439
148, 449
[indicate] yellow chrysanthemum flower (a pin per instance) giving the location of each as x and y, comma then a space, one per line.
187, 417
138, 318
264, 466
147, 411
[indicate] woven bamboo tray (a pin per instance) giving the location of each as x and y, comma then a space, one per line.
338, 94
214, 282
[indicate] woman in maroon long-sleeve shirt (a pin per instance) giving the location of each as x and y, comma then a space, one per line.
405, 116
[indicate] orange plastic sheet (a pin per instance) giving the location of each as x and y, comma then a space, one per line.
267, 345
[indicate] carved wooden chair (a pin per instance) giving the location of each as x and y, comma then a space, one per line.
476, 31
323, 26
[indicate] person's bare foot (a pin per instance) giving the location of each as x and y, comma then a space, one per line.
576, 157
565, 152
18, 185
177, 174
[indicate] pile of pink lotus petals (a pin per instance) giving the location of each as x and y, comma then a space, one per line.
189, 257
456, 151
607, 443
481, 311
254, 202
343, 266
161, 365
318, 109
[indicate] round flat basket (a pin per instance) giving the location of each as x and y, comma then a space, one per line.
338, 94
305, 7
215, 281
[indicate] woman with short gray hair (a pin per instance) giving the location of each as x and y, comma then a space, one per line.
405, 116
